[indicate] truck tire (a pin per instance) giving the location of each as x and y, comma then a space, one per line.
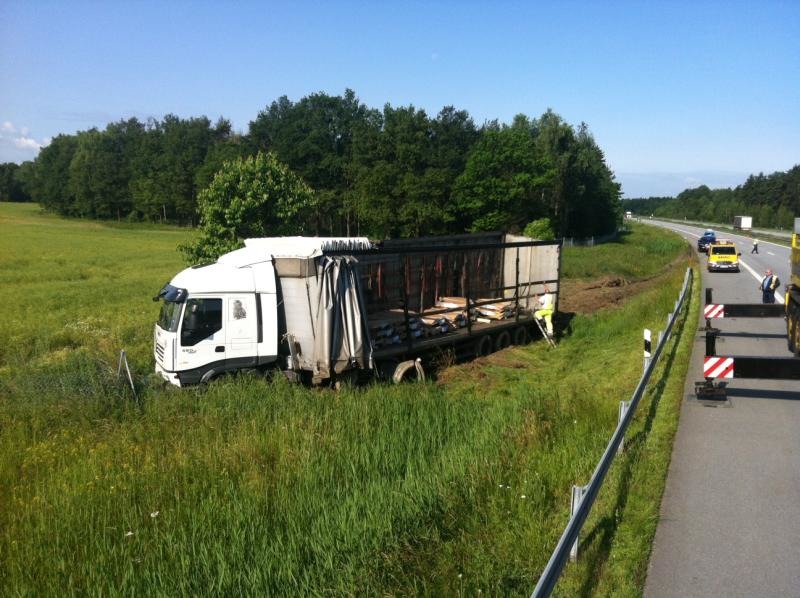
209, 376
503, 340
483, 346
521, 336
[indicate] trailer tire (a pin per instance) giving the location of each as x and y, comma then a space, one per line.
409, 371
521, 336
503, 340
483, 346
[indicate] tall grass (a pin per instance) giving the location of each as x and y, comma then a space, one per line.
259, 487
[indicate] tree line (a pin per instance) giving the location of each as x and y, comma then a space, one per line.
772, 200
385, 172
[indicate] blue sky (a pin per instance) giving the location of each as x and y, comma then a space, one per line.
677, 94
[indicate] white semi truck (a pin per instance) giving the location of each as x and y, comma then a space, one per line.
742, 222
322, 309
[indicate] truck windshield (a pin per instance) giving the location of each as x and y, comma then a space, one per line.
170, 316
724, 250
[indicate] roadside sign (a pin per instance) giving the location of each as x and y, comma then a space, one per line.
718, 367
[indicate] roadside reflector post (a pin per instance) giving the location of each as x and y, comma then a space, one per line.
646, 348
623, 410
575, 502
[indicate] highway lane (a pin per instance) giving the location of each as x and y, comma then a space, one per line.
730, 516
770, 255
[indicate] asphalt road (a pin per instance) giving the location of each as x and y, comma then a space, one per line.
730, 515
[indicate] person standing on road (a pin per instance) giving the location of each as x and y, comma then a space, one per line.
755, 246
545, 311
768, 285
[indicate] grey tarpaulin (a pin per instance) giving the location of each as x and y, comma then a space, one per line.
342, 336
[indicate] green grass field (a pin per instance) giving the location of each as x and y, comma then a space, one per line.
256, 487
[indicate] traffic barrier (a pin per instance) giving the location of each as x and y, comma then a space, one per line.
718, 367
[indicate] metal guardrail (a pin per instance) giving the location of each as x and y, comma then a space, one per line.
584, 497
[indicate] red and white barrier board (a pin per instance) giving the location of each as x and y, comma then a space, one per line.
718, 367
713, 310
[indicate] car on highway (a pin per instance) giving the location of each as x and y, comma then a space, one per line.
723, 256
707, 239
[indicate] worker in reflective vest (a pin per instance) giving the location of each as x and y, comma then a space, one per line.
545, 311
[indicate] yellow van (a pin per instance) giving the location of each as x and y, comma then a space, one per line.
723, 257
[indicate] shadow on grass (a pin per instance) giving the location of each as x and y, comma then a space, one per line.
605, 529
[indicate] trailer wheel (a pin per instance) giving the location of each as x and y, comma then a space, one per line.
521, 336
483, 346
502, 341
409, 371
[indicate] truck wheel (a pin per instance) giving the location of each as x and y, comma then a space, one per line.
502, 341
409, 371
521, 336
483, 346
209, 376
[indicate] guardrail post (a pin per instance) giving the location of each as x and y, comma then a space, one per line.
577, 497
646, 348
623, 409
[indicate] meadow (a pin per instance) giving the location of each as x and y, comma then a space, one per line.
254, 486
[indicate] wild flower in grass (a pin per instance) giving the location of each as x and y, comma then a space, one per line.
523, 496
128, 534
154, 514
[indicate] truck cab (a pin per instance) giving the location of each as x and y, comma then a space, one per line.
723, 256
216, 318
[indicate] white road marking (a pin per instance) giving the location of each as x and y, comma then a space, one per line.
770, 253
759, 278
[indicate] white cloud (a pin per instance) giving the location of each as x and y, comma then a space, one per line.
27, 143
17, 144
